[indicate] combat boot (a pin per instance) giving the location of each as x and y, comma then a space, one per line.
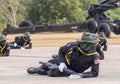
38, 70
31, 70
41, 71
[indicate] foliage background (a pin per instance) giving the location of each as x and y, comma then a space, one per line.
47, 11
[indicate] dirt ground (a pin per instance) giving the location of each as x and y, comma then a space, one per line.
48, 39
13, 68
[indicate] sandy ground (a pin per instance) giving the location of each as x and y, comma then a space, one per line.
13, 68
52, 39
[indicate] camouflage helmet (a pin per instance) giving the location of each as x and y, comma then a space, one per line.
2, 37
89, 37
102, 35
26, 34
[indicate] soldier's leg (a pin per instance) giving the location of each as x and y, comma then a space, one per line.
44, 69
39, 70
56, 73
6, 53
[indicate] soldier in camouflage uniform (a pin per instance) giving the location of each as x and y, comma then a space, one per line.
4, 47
99, 45
78, 57
23, 42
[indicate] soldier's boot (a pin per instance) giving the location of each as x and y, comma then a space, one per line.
41, 71
31, 70
38, 70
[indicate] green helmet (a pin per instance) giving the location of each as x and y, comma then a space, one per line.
2, 37
89, 37
26, 34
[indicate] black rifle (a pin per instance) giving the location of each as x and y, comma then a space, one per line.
53, 66
16, 46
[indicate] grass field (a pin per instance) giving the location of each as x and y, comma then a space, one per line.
48, 39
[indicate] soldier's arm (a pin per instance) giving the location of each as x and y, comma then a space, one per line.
105, 46
6, 50
29, 45
100, 52
94, 69
63, 50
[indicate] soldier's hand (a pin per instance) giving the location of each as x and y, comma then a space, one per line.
15, 44
75, 76
22, 48
62, 66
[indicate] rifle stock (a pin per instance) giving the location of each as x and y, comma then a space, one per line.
50, 65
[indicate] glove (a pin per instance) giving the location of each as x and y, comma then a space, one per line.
75, 76
15, 44
22, 48
62, 66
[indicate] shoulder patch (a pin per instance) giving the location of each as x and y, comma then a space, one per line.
97, 61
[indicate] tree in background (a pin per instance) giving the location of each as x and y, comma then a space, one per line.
87, 3
12, 11
22, 13
8, 9
114, 13
2, 22
55, 11
46, 11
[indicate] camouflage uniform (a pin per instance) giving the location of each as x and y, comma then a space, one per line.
98, 48
4, 47
77, 57
22, 41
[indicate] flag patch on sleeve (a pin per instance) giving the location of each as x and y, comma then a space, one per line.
97, 61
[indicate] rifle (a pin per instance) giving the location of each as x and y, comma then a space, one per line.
53, 66
16, 46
